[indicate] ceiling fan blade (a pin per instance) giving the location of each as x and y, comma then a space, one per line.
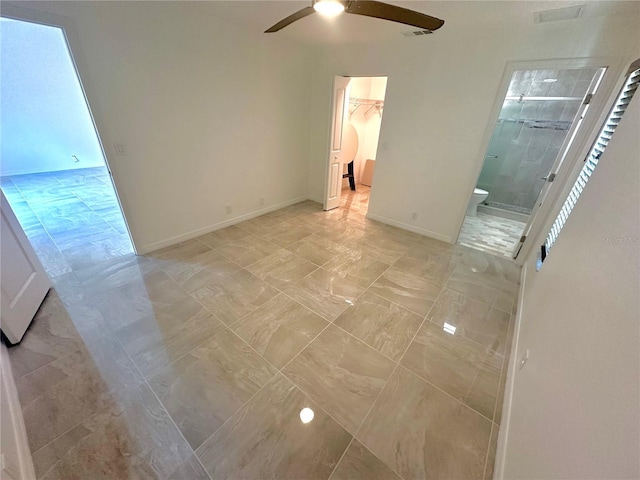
393, 13
291, 18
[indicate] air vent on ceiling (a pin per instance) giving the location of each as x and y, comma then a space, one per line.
558, 14
417, 33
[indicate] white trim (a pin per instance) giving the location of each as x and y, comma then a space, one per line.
410, 228
168, 242
13, 421
503, 436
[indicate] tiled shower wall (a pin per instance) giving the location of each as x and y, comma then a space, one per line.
528, 135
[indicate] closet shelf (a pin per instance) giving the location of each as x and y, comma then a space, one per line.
372, 104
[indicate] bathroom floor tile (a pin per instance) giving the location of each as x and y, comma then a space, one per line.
342, 374
495, 235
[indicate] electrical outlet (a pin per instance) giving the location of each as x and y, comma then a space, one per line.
414, 216
119, 148
227, 209
75, 159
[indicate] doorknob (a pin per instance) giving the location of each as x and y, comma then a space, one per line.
550, 178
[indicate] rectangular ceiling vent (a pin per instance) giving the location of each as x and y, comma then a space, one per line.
417, 33
559, 14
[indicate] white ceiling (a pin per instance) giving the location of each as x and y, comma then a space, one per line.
260, 15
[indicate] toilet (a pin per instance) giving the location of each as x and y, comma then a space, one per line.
478, 197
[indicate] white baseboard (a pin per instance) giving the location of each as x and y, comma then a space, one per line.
503, 436
152, 247
411, 228
16, 454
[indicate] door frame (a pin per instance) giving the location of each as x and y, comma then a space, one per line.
327, 179
614, 68
69, 31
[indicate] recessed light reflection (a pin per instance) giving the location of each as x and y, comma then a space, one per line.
549, 80
349, 302
449, 328
306, 415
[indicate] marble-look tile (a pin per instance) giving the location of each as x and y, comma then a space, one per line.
502, 268
115, 272
266, 439
483, 287
205, 387
358, 463
133, 438
279, 329
180, 253
157, 340
82, 235
248, 250
460, 367
284, 234
495, 235
383, 247
282, 268
316, 249
50, 336
343, 233
192, 469
325, 293
381, 324
259, 224
435, 268
412, 292
69, 390
221, 237
472, 318
235, 296
97, 252
342, 374
420, 432
201, 270
361, 268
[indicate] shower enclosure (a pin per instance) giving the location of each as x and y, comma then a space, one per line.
536, 116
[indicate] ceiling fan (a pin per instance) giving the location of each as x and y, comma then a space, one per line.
366, 8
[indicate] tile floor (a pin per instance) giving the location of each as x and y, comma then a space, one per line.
194, 362
491, 234
71, 217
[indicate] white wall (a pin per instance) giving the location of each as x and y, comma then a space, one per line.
575, 407
44, 117
440, 93
210, 114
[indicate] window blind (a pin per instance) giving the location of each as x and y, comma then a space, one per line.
591, 161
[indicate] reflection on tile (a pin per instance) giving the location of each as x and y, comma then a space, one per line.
406, 289
316, 249
383, 325
460, 367
479, 285
472, 318
199, 271
383, 247
266, 439
75, 386
325, 293
363, 269
115, 272
132, 438
181, 252
360, 464
420, 432
204, 388
235, 296
248, 250
279, 329
281, 268
343, 375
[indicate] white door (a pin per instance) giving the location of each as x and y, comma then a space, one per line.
23, 281
339, 111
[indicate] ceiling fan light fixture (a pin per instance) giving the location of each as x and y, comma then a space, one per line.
328, 8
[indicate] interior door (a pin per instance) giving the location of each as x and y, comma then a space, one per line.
339, 111
23, 281
555, 169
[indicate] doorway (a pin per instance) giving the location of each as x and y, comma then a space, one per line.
53, 172
540, 116
358, 105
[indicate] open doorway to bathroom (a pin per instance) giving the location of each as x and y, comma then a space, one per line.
539, 119
360, 134
53, 171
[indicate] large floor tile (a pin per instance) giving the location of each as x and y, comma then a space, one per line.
435, 268
359, 463
248, 250
279, 329
282, 268
133, 438
411, 291
420, 432
226, 235
325, 293
458, 366
200, 270
178, 254
236, 295
381, 324
383, 247
361, 268
317, 250
266, 439
285, 233
480, 286
342, 374
205, 387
